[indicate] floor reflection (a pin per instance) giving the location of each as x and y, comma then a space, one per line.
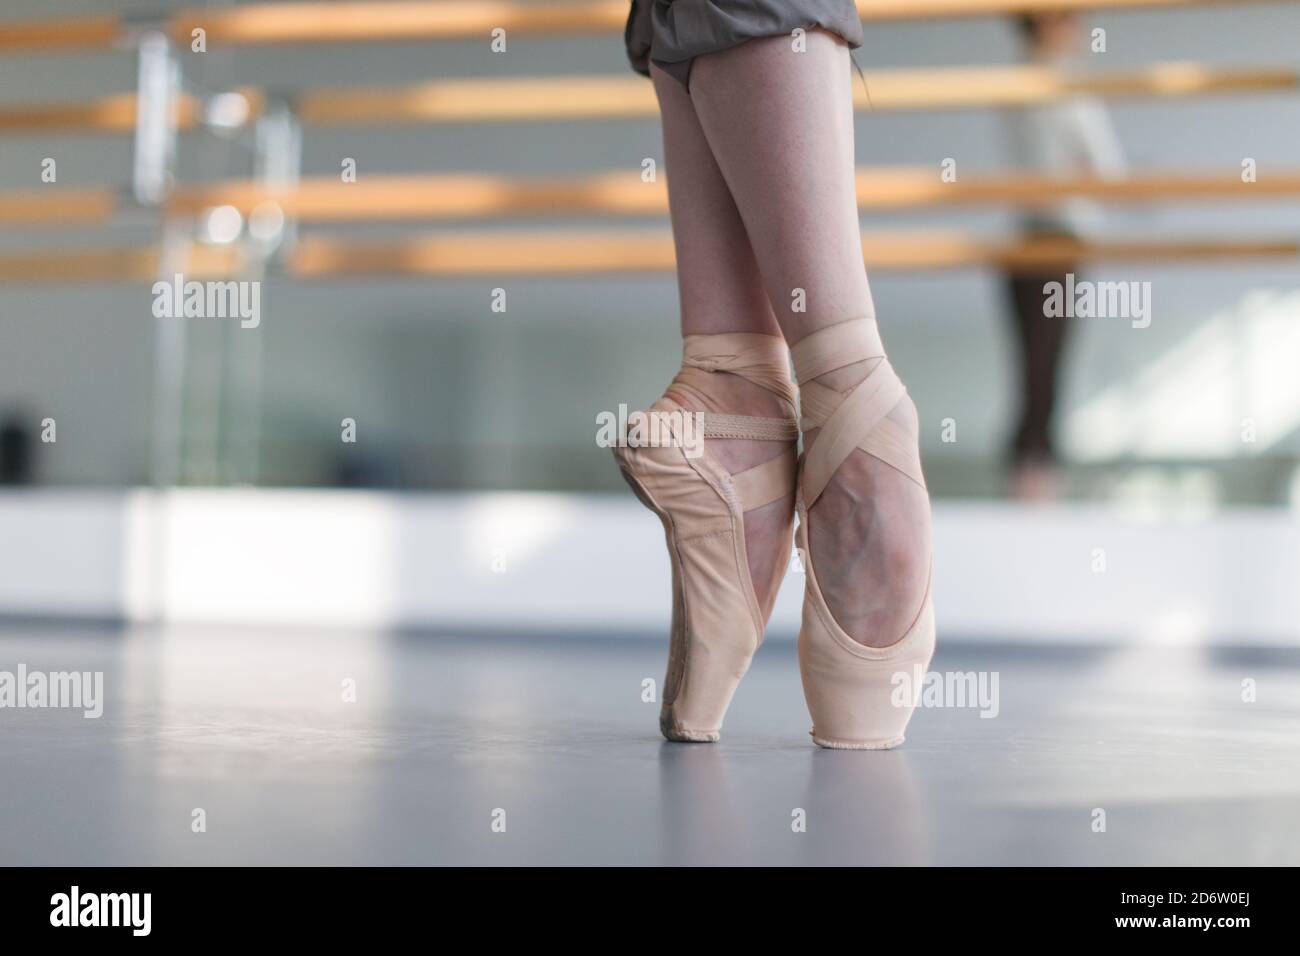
864, 809
700, 822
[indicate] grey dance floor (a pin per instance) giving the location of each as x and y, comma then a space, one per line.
252, 728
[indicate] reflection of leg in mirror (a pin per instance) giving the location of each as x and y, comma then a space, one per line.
1040, 345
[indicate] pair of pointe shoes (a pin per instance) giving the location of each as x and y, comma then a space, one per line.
855, 694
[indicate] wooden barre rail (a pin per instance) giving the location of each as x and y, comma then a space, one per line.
460, 197
132, 264
600, 97
407, 20
59, 206
108, 114
467, 255
475, 197
65, 33
609, 252
473, 19
613, 97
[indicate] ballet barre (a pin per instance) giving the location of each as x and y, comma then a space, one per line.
598, 252
128, 264
470, 19
913, 188
467, 197
61, 34
60, 206
616, 97
607, 252
418, 20
114, 114
624, 194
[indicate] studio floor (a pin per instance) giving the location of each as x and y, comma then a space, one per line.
548, 738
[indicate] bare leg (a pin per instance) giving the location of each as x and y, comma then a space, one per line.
780, 124
721, 291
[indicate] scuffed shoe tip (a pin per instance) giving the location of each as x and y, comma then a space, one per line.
831, 743
682, 735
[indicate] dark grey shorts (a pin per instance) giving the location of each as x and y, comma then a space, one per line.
672, 33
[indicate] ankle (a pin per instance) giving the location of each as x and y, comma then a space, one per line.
905, 414
846, 377
730, 394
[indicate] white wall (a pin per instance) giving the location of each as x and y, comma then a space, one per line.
597, 565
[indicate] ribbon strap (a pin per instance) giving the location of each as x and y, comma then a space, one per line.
854, 419
757, 358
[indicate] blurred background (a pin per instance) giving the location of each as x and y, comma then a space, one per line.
1183, 420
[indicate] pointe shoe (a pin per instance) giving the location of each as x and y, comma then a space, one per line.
717, 621
859, 697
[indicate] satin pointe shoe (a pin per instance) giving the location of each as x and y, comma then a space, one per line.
718, 621
859, 697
